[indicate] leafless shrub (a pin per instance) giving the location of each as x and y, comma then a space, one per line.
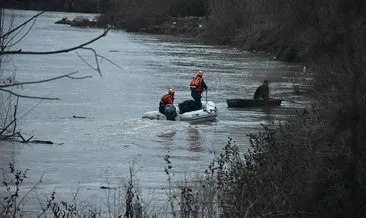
125, 199
73, 208
122, 201
193, 195
11, 201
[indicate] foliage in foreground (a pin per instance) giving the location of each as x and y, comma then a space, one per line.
122, 200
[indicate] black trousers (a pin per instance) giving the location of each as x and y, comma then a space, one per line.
162, 110
195, 95
197, 98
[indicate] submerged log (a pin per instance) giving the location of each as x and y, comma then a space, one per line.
41, 142
80, 117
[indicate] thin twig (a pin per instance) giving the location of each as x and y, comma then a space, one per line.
40, 202
250, 207
79, 77
96, 59
39, 81
28, 96
6, 41
30, 110
23, 24
3, 130
8, 108
15, 115
29, 138
30, 190
102, 57
286, 213
57, 51
24, 140
9, 136
21, 38
89, 65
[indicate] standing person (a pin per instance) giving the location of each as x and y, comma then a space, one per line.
165, 100
197, 86
262, 92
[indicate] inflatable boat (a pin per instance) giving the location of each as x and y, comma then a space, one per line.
207, 112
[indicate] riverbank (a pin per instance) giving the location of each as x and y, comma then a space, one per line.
194, 29
182, 27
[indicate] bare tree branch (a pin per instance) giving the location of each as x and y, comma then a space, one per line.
15, 115
29, 191
30, 110
89, 65
3, 130
28, 96
79, 77
21, 25
96, 59
21, 38
45, 80
57, 51
20, 135
9, 39
102, 57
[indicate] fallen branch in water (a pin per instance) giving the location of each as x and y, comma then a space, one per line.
74, 116
41, 142
13, 136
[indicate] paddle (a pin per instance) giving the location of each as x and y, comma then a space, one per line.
205, 102
206, 96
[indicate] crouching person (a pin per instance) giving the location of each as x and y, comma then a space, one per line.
166, 105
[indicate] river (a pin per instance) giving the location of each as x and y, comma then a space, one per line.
100, 148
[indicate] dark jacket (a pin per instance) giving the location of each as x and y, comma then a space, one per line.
262, 92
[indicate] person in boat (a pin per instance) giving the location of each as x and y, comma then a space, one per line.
262, 92
197, 86
165, 100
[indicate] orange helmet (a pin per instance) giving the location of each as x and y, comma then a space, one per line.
171, 91
200, 73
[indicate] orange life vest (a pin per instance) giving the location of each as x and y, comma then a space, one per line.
196, 83
165, 100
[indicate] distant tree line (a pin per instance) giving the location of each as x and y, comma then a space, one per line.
84, 6
290, 29
178, 8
